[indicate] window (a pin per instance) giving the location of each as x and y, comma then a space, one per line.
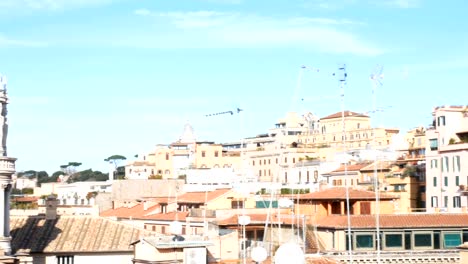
260, 173
364, 241
64, 259
457, 180
216, 154
434, 181
434, 164
445, 181
237, 204
445, 201
457, 161
456, 202
434, 202
285, 177
422, 240
394, 241
441, 121
203, 153
399, 187
452, 240
433, 143
167, 156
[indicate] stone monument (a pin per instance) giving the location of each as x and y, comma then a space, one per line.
7, 169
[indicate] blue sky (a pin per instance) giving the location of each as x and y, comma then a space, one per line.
93, 78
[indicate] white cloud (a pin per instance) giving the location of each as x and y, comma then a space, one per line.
9, 42
48, 4
403, 3
142, 12
208, 29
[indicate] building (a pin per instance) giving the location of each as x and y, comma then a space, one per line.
172, 161
446, 159
404, 238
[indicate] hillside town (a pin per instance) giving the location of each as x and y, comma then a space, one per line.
305, 191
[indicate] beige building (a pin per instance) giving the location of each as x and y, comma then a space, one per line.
173, 160
327, 135
279, 155
446, 159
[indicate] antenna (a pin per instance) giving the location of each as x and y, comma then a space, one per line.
341, 76
376, 78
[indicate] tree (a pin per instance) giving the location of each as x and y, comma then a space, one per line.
116, 160
71, 167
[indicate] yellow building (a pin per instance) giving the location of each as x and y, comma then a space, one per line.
327, 135
173, 160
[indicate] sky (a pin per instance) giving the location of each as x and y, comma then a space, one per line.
88, 79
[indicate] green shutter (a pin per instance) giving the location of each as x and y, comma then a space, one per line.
452, 240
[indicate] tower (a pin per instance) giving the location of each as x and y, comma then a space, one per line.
7, 169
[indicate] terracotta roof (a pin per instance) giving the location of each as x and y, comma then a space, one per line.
339, 193
396, 221
380, 165
346, 114
72, 234
172, 216
199, 197
351, 167
28, 199
142, 163
136, 211
258, 219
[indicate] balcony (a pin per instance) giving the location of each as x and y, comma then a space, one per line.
454, 147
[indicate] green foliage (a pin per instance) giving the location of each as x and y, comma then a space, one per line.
294, 191
91, 195
452, 141
410, 171
115, 158
28, 190
88, 175
120, 171
15, 191
155, 177
183, 177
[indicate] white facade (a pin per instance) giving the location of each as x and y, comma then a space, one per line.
74, 198
446, 161
24, 182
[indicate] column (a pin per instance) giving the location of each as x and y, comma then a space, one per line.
2, 209
7, 210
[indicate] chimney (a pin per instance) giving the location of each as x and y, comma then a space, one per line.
51, 207
145, 205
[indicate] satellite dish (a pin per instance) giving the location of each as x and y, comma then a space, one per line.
243, 220
176, 228
259, 254
289, 253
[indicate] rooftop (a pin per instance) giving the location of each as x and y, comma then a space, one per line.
71, 234
339, 193
396, 221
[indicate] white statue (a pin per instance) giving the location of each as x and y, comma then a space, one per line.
3, 116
